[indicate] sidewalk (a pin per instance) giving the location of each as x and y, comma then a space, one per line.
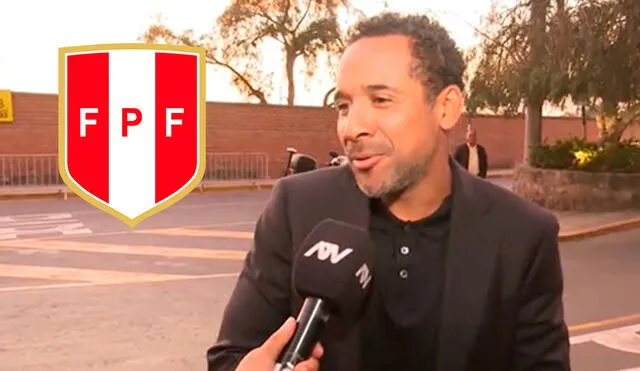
581, 225
576, 225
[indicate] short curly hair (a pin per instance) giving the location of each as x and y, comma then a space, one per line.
438, 61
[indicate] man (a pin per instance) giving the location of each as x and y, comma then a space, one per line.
472, 156
467, 277
301, 163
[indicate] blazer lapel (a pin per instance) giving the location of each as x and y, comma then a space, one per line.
350, 206
469, 270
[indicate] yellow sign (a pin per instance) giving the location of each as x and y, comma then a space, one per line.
6, 107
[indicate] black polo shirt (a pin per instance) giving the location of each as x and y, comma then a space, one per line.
400, 326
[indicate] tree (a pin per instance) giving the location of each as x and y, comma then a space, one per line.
520, 63
246, 75
303, 29
603, 72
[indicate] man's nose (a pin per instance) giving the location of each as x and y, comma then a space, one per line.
359, 122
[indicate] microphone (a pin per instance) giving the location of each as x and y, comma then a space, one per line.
332, 272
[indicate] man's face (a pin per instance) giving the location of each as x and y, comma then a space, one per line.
385, 124
471, 138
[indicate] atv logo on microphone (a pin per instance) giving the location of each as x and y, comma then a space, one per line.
327, 250
364, 276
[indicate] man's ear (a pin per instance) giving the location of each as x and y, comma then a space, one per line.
448, 107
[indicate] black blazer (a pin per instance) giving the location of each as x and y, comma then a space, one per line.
462, 156
503, 308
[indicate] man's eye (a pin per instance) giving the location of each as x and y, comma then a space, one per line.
379, 100
341, 106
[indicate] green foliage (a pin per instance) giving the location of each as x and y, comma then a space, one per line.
559, 155
603, 62
585, 50
521, 57
578, 154
604, 53
588, 52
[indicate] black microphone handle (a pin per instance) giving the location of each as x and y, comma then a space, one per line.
311, 322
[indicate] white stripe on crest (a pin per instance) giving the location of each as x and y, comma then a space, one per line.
132, 158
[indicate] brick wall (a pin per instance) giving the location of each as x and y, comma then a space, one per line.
235, 127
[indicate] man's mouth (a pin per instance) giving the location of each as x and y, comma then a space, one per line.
365, 162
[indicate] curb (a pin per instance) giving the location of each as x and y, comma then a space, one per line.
235, 187
63, 193
498, 174
585, 233
37, 195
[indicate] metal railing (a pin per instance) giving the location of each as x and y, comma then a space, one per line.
19, 171
29, 170
237, 166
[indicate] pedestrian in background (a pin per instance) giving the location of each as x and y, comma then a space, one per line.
472, 156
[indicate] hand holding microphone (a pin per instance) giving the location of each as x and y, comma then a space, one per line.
264, 357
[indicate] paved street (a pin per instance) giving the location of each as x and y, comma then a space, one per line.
81, 291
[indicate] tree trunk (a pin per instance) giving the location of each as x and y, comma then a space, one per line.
537, 90
583, 114
532, 130
612, 127
605, 124
291, 86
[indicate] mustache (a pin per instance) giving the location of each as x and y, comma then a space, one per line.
355, 148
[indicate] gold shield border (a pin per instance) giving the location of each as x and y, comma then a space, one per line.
62, 127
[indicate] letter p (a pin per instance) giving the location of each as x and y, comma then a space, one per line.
127, 120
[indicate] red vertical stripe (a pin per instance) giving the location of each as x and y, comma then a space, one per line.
88, 87
176, 156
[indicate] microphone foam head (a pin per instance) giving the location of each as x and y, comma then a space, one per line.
335, 263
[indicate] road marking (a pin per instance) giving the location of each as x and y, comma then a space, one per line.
189, 232
214, 204
145, 250
605, 323
61, 224
79, 274
109, 283
129, 231
624, 339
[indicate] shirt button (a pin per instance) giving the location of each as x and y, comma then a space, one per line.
404, 250
404, 273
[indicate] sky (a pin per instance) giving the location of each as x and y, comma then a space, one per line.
33, 30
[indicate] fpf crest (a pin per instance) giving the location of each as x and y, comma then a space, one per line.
132, 125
